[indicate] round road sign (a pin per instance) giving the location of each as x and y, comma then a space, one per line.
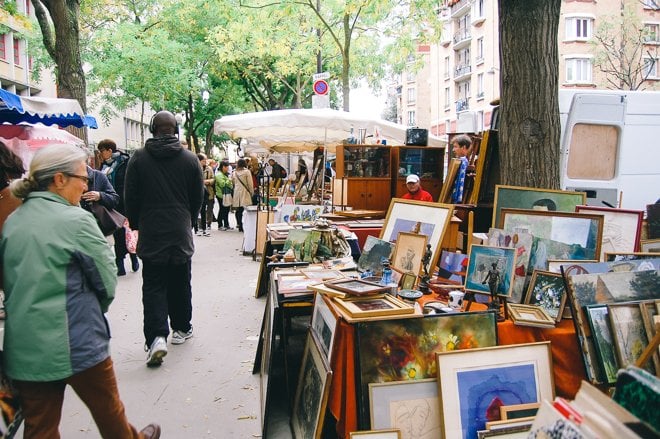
320, 87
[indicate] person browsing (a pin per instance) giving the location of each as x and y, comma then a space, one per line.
415, 191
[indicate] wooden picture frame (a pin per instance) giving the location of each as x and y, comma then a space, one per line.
429, 219
622, 228
601, 333
557, 235
448, 184
393, 405
480, 260
376, 434
377, 306
357, 287
520, 197
292, 284
324, 324
530, 315
650, 246
322, 274
510, 432
468, 380
628, 333
547, 290
403, 339
632, 256
267, 341
517, 411
408, 252
649, 311
311, 392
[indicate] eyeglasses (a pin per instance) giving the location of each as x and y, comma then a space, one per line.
84, 178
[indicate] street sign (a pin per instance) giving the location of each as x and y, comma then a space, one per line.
320, 101
318, 76
320, 87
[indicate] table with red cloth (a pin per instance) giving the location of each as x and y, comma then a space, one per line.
567, 364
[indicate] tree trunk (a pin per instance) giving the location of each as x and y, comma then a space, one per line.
66, 51
529, 126
346, 65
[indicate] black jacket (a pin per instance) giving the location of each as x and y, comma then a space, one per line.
99, 182
163, 191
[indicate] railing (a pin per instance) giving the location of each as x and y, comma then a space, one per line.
462, 69
480, 95
462, 105
462, 35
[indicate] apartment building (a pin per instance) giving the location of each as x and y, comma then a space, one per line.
460, 79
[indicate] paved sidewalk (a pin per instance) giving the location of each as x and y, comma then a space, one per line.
205, 387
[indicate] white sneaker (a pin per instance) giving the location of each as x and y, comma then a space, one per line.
180, 337
198, 233
157, 351
206, 232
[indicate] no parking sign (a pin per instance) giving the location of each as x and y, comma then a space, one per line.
321, 87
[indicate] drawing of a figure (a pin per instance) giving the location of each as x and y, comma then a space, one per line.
407, 260
415, 420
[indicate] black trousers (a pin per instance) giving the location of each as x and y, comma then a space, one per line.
202, 220
223, 214
239, 217
166, 292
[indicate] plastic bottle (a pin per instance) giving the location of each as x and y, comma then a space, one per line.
387, 273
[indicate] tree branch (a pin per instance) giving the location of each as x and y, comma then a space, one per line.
44, 23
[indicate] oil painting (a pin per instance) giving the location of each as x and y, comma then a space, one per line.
547, 290
523, 243
621, 228
599, 323
373, 253
628, 333
481, 260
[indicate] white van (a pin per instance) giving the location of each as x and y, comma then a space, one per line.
610, 146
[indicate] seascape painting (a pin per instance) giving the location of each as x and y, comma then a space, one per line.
405, 349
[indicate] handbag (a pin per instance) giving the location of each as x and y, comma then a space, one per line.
109, 220
131, 239
227, 196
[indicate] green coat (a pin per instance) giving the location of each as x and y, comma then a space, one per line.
222, 181
59, 279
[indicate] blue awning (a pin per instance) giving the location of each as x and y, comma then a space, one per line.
16, 109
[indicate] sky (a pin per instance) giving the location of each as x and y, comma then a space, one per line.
365, 102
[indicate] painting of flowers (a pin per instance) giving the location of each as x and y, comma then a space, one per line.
547, 290
404, 349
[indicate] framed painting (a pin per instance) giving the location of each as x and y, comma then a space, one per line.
429, 219
408, 252
621, 228
448, 184
554, 265
557, 235
483, 259
324, 323
408, 281
599, 323
357, 287
470, 380
515, 432
373, 253
321, 274
404, 349
518, 197
409, 406
649, 311
628, 333
364, 308
547, 290
311, 393
267, 341
633, 256
650, 245
452, 266
523, 243
297, 240
376, 434
517, 411
530, 315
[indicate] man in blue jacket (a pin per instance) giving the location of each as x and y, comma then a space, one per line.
162, 194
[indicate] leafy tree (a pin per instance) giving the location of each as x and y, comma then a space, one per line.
619, 48
645, 283
529, 126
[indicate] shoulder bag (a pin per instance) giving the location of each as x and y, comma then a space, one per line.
109, 220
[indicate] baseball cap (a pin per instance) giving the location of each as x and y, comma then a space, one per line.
412, 178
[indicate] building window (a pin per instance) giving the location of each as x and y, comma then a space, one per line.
480, 86
651, 68
480, 120
447, 68
411, 95
578, 28
447, 98
3, 49
464, 90
480, 50
479, 9
650, 4
410, 76
578, 70
652, 33
17, 51
411, 118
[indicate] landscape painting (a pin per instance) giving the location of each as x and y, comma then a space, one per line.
599, 323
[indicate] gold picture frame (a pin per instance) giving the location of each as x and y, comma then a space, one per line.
378, 306
530, 315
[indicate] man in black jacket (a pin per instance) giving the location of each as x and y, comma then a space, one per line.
162, 194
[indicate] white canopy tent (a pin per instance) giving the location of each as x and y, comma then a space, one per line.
305, 130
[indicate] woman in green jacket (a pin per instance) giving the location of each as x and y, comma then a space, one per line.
59, 279
223, 185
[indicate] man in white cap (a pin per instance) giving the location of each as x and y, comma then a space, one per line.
415, 191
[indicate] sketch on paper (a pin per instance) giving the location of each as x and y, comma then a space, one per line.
417, 419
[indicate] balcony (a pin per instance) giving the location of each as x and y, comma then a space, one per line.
462, 38
462, 105
460, 7
462, 70
480, 95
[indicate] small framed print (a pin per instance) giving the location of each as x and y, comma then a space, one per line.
408, 252
358, 287
547, 290
408, 281
650, 245
530, 315
384, 305
517, 411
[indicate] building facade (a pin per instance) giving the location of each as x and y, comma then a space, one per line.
461, 77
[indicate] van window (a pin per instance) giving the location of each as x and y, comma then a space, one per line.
593, 151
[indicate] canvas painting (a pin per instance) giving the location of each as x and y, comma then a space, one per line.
481, 261
324, 324
371, 258
547, 290
452, 266
523, 243
409, 406
599, 324
628, 333
473, 384
404, 349
533, 198
621, 228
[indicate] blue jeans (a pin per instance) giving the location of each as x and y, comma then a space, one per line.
166, 292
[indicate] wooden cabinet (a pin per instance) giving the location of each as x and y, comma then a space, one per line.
366, 171
428, 163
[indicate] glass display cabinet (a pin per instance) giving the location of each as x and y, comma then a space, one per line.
428, 163
365, 174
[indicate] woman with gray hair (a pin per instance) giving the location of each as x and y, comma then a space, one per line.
59, 279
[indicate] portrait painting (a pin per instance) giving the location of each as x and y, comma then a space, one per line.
429, 219
484, 259
628, 333
373, 253
621, 229
519, 197
311, 392
473, 384
408, 252
409, 406
599, 323
547, 290
404, 349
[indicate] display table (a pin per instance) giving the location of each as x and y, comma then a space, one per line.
567, 364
